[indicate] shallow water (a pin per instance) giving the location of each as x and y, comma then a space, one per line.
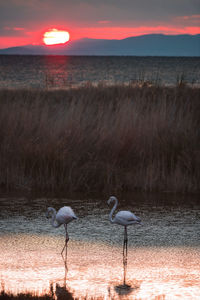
163, 254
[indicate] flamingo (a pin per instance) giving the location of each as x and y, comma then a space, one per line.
64, 216
124, 218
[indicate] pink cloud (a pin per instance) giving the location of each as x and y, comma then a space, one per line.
18, 28
189, 20
104, 22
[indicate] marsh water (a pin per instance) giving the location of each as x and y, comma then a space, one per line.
21, 71
163, 253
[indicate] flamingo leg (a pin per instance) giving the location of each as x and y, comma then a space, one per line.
126, 239
65, 248
124, 244
125, 253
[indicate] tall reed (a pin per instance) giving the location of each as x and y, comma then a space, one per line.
100, 139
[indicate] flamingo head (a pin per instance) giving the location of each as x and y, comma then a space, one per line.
111, 199
49, 212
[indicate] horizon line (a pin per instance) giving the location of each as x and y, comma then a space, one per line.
107, 39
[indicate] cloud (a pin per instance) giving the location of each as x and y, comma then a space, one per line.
189, 20
90, 11
104, 22
12, 31
18, 28
20, 17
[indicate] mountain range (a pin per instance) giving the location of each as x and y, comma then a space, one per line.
144, 45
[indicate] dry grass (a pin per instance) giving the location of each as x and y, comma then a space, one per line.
100, 139
24, 296
58, 293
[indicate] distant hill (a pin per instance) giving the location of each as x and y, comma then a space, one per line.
144, 45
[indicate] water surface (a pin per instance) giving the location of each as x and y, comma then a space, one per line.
21, 71
163, 254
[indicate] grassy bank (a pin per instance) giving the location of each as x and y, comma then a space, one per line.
100, 139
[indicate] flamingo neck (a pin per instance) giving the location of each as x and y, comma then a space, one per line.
54, 223
112, 211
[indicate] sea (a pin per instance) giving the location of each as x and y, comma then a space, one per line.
30, 71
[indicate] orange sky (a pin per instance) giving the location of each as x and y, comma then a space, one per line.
24, 22
36, 37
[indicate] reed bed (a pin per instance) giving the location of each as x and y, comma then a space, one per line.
59, 293
25, 296
100, 139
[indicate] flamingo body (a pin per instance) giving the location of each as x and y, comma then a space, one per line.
64, 215
123, 217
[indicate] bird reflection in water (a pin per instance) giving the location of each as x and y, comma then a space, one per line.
125, 289
64, 216
62, 293
124, 218
64, 255
125, 254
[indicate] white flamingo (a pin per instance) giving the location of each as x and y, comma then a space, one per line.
64, 216
124, 218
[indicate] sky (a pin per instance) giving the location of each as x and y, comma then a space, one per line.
24, 22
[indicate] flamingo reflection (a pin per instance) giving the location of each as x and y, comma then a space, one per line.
64, 216
124, 218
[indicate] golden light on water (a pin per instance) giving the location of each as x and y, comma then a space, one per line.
54, 37
32, 263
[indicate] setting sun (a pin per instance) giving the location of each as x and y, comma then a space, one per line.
54, 37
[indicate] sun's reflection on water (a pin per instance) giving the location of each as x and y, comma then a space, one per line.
32, 263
